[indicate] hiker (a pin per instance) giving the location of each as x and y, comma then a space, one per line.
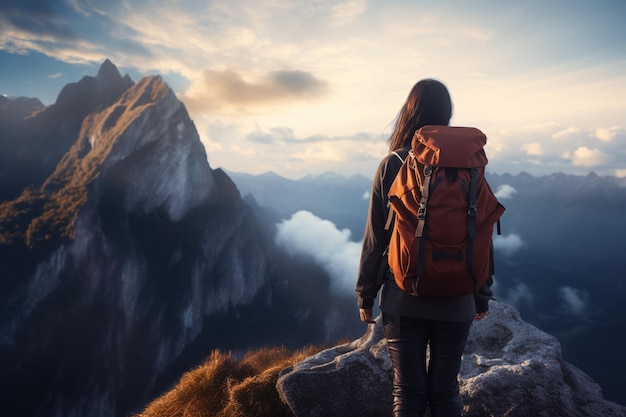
411, 322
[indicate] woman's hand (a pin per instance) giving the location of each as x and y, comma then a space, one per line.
480, 316
366, 315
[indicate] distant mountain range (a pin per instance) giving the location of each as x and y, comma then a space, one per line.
342, 200
560, 260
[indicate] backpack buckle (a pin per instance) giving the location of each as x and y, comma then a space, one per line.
472, 211
421, 211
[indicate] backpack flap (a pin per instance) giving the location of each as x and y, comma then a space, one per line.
450, 146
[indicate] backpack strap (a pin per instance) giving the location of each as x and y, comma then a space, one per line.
472, 212
390, 212
398, 155
421, 212
389, 216
472, 209
421, 222
492, 266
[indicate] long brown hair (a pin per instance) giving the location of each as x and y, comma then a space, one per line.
428, 103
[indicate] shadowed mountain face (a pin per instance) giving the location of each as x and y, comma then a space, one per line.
124, 258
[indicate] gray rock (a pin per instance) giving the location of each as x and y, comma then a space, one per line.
347, 380
509, 368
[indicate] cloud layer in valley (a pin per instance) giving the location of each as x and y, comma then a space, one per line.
505, 192
305, 234
308, 235
574, 300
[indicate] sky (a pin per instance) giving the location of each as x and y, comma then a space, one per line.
307, 87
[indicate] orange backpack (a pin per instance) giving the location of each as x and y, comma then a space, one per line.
445, 212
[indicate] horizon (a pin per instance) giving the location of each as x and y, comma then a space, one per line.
488, 173
314, 88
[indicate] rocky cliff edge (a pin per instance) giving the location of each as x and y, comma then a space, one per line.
509, 368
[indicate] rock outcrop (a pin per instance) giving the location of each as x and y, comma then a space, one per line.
509, 368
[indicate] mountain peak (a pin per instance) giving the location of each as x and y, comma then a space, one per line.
108, 72
91, 93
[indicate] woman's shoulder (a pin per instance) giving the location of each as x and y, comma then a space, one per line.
391, 162
401, 153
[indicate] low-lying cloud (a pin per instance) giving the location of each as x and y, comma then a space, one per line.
507, 244
574, 300
519, 295
505, 192
308, 235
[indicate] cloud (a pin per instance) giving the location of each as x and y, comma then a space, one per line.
32, 7
583, 156
294, 156
47, 28
571, 150
76, 5
55, 75
276, 135
346, 12
606, 135
505, 192
507, 244
220, 88
519, 294
574, 300
534, 148
247, 151
261, 54
620, 173
285, 135
366, 195
566, 132
28, 19
306, 234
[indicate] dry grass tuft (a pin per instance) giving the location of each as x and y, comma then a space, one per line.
226, 387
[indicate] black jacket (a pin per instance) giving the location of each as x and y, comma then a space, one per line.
373, 269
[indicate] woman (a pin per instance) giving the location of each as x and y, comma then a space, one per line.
412, 323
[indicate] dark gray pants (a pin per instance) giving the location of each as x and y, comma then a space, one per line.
416, 383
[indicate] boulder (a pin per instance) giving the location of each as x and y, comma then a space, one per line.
509, 368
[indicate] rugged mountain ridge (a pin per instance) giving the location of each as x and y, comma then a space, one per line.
27, 125
125, 258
